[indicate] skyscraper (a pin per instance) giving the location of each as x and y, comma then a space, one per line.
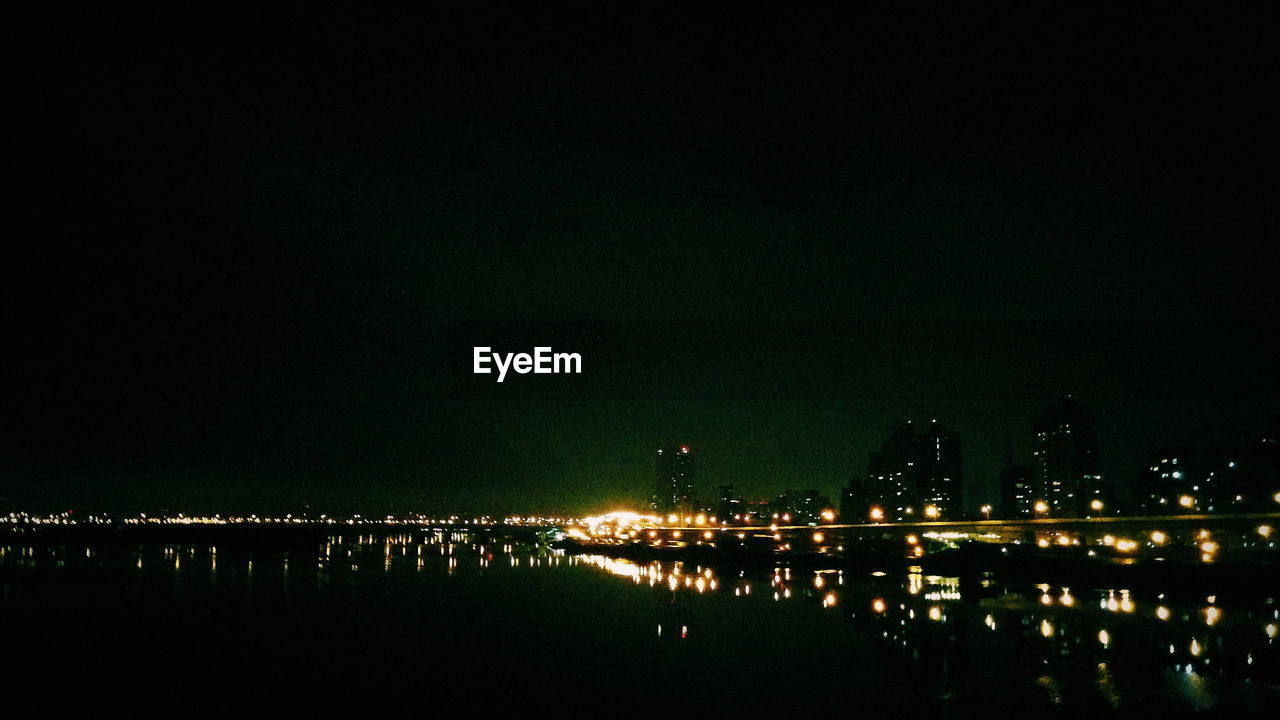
673, 486
1017, 491
915, 471
1065, 447
1017, 486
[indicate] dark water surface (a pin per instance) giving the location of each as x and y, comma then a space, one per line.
441, 622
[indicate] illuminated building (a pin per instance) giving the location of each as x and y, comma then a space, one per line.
673, 486
1065, 447
1166, 478
802, 507
1017, 491
915, 469
730, 505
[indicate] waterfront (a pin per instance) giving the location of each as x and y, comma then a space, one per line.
427, 616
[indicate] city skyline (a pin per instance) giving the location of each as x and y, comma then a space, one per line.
254, 274
1017, 491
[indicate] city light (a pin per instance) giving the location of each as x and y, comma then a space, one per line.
876, 514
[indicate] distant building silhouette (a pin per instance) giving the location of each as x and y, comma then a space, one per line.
915, 470
673, 486
730, 506
1168, 484
1232, 479
1017, 491
802, 507
1258, 485
1017, 486
855, 501
1068, 478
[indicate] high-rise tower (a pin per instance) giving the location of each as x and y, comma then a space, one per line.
673, 485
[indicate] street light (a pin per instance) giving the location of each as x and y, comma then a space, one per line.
1096, 505
931, 511
877, 514
986, 512
1041, 507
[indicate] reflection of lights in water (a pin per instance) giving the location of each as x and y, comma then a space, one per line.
818, 582
1211, 616
877, 605
1158, 537
1067, 598
990, 622
1046, 628
935, 613
1195, 647
1271, 630
1162, 612
829, 600
1104, 637
1046, 600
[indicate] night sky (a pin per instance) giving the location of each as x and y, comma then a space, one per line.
248, 255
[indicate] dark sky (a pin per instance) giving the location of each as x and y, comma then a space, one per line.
249, 254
